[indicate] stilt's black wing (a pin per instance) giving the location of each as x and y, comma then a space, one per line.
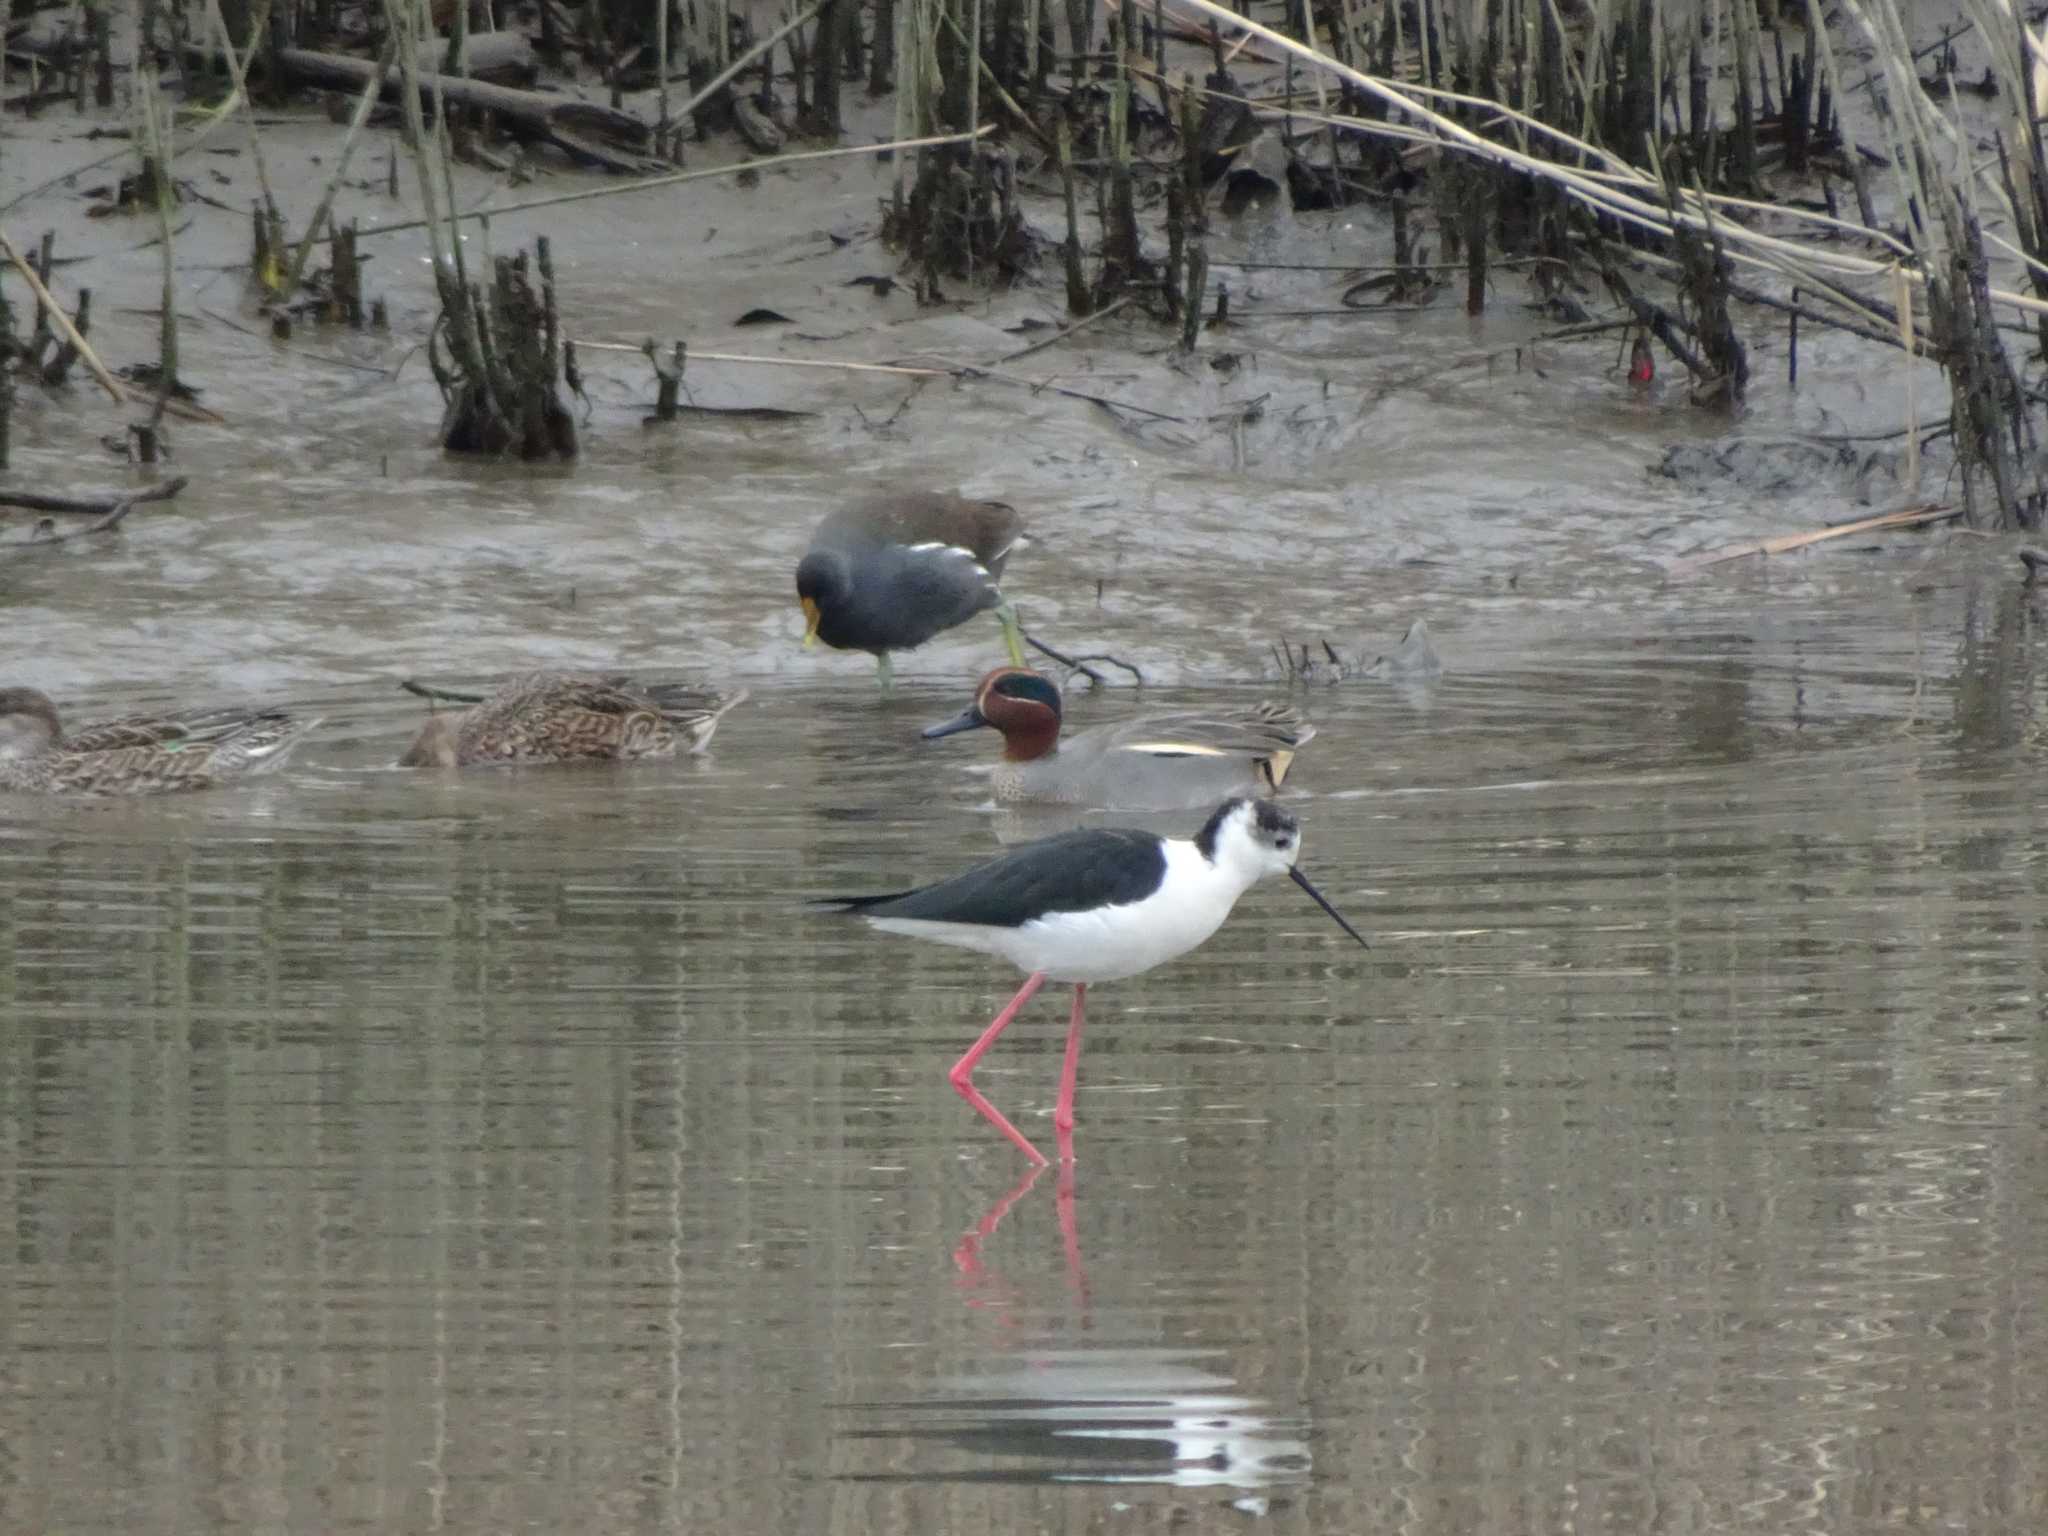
1074, 872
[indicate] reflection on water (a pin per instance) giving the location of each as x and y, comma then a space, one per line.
510, 1151
1106, 1414
1038, 1411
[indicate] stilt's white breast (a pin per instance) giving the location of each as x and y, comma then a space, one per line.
1108, 943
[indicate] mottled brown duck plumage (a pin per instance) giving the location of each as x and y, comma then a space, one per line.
557, 717
138, 754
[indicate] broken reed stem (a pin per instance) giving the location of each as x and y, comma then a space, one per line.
1073, 330
724, 77
973, 117
62, 322
361, 116
1078, 302
1905, 311
1018, 115
1194, 277
773, 362
670, 179
459, 313
238, 71
157, 144
398, 18
917, 80
1122, 249
660, 63
964, 372
1904, 517
10, 350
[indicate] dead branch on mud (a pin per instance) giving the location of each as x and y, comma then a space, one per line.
111, 512
439, 695
960, 372
93, 506
670, 179
585, 131
1783, 544
48, 307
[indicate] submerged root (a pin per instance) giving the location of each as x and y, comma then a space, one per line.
962, 219
504, 357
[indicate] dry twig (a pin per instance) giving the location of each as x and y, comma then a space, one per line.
1785, 543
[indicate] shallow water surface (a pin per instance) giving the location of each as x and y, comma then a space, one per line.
510, 1151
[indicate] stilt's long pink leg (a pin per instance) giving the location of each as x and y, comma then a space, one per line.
1070, 1231
967, 1254
962, 1075
1070, 1074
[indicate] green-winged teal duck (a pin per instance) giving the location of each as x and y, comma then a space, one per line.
1156, 762
558, 717
890, 571
137, 754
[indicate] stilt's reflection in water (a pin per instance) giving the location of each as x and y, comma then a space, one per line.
1054, 1403
983, 1286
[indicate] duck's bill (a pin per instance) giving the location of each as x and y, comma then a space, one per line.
812, 618
966, 720
1320, 900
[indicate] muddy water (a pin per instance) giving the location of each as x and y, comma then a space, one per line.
510, 1153
390, 1153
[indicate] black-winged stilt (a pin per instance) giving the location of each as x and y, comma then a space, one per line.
1093, 905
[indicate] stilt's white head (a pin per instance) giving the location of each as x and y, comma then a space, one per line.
1251, 839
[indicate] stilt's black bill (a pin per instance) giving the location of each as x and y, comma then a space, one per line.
966, 720
1320, 900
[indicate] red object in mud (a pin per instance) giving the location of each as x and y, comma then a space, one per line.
1642, 367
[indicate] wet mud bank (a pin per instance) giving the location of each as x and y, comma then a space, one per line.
1256, 379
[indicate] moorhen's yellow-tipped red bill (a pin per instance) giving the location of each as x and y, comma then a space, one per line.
891, 571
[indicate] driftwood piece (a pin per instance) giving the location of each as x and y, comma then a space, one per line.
1079, 664
761, 131
110, 509
495, 58
616, 140
1784, 544
98, 506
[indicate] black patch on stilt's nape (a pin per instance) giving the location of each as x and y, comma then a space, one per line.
1074, 872
1205, 840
